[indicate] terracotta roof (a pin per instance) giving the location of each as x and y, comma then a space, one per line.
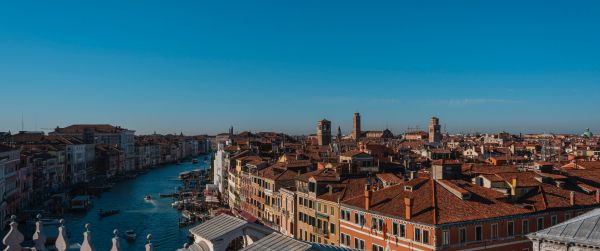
389, 178
483, 203
98, 128
352, 153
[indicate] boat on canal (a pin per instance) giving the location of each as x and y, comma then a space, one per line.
81, 203
103, 213
148, 198
194, 161
130, 235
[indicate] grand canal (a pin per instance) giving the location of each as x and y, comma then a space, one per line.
155, 217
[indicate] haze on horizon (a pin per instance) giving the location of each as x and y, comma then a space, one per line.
199, 67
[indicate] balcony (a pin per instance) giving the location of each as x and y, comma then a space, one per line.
321, 232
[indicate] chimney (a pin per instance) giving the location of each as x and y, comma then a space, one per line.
597, 196
513, 188
330, 189
368, 194
408, 205
412, 175
572, 197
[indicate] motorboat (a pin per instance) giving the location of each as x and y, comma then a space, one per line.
130, 235
107, 213
194, 161
148, 198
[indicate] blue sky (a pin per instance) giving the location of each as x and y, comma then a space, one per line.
198, 67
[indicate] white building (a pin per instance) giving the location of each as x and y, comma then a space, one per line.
220, 168
10, 195
76, 163
105, 134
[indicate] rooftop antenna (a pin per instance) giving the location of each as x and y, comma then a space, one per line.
22, 123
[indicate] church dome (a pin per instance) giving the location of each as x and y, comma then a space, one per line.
587, 133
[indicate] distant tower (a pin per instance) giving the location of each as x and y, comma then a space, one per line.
231, 132
324, 132
356, 127
435, 133
339, 134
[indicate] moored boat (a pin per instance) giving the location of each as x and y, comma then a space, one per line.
130, 235
107, 213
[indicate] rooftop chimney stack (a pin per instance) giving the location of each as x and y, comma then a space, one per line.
597, 196
368, 194
572, 197
513, 188
408, 205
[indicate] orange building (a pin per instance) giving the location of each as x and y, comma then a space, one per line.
453, 214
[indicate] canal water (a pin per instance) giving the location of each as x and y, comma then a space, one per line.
155, 217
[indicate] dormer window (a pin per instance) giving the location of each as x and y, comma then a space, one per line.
312, 187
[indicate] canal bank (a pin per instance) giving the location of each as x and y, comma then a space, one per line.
155, 216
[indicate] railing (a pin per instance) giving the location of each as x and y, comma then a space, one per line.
13, 239
322, 232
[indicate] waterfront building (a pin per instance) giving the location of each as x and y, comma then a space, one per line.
235, 176
287, 196
104, 134
11, 163
265, 201
316, 217
110, 161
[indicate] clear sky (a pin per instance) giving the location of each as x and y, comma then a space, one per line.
199, 67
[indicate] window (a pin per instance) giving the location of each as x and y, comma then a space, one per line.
462, 235
362, 244
377, 248
395, 228
426, 236
355, 242
342, 239
417, 234
445, 237
525, 226
478, 233
494, 231
540, 223
348, 240
553, 220
567, 216
402, 230
363, 220
332, 228
355, 218
510, 228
